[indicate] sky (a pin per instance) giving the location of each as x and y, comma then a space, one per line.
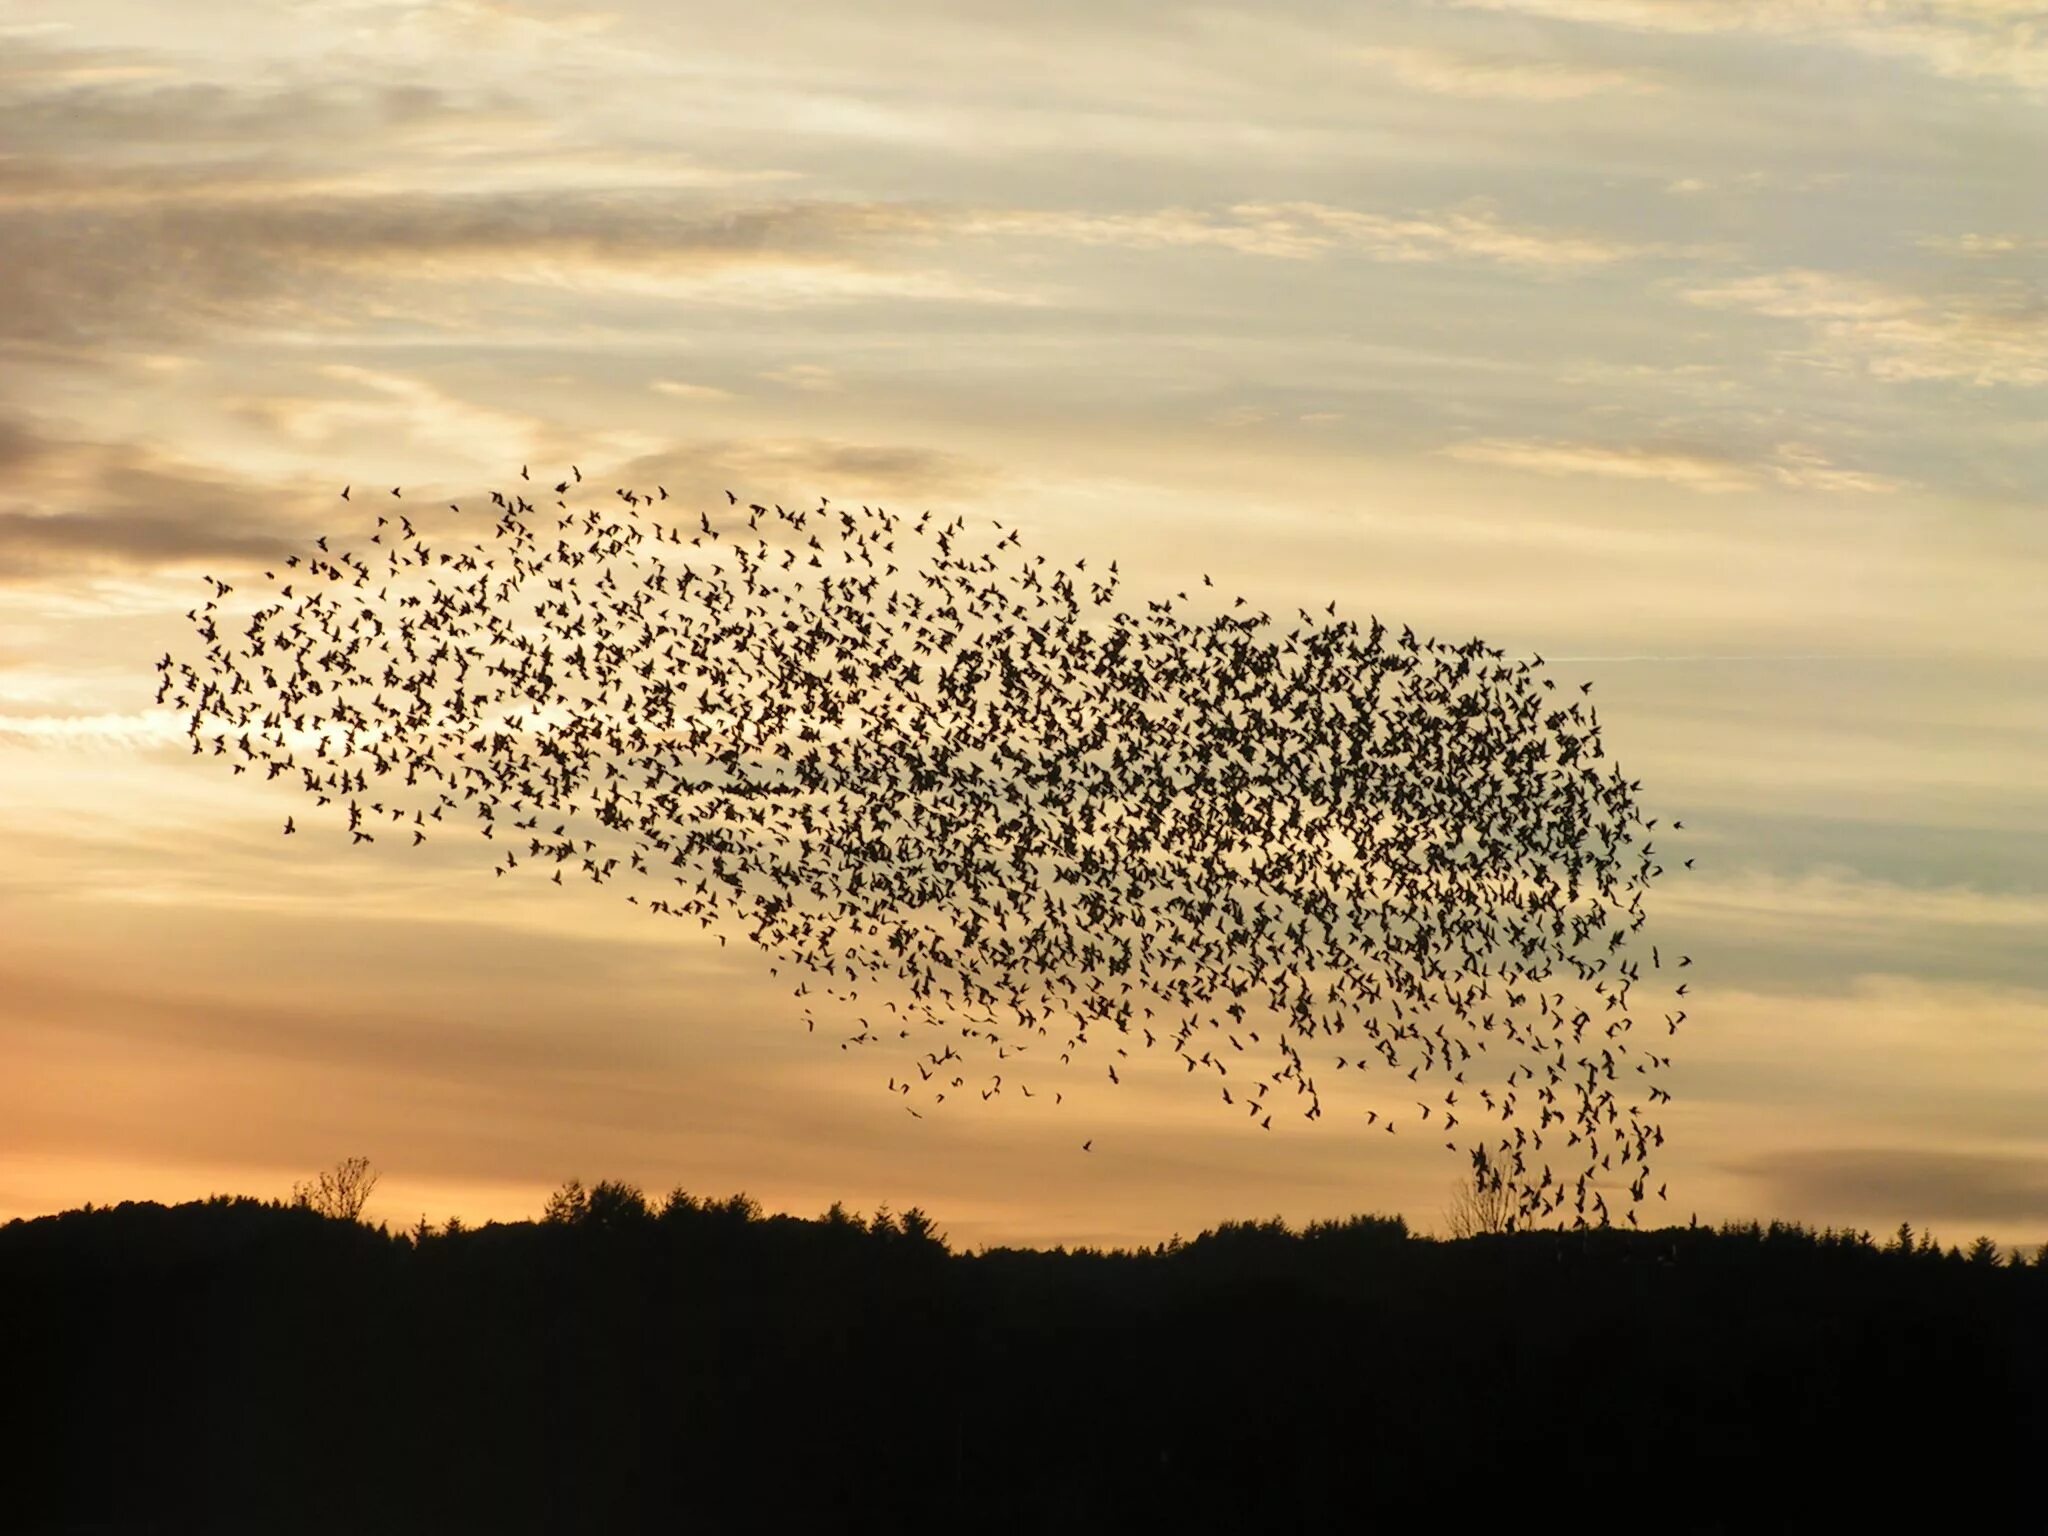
1700, 346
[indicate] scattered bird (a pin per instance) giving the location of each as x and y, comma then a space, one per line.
899, 755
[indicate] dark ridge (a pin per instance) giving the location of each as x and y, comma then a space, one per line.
241, 1365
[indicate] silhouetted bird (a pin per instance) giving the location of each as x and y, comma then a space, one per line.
904, 757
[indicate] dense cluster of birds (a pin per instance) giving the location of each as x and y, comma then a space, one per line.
955, 787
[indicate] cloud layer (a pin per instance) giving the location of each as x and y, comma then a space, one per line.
1701, 341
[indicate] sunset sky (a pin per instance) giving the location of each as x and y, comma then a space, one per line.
1699, 345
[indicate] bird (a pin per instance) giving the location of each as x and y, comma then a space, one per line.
906, 753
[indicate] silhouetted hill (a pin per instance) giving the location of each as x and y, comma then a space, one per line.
236, 1365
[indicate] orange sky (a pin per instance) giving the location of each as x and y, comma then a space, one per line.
1697, 346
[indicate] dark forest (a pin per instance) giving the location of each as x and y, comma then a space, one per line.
619, 1365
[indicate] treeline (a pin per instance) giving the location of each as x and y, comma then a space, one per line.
242, 1365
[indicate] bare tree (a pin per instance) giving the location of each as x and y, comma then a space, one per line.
341, 1192
1482, 1203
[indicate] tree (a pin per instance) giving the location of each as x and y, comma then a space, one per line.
608, 1203
614, 1203
341, 1192
918, 1228
1482, 1203
567, 1204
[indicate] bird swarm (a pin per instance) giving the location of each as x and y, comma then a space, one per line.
914, 761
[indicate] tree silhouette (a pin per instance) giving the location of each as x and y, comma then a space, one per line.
1481, 1203
341, 1192
567, 1204
612, 1369
616, 1204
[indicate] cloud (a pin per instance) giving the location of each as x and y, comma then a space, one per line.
1806, 468
1240, 416
683, 391
1693, 471
395, 406
1797, 465
1999, 336
133, 730
1805, 294
325, 211
1885, 1184
1830, 903
1960, 39
317, 261
811, 377
1974, 245
123, 506
800, 469
1501, 77
35, 547
1306, 230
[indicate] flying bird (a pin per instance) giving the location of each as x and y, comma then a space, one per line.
900, 755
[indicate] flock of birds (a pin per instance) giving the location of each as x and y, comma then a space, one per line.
929, 771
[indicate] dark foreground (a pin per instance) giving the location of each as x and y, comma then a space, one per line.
242, 1366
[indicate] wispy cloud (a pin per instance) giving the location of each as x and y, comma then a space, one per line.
70, 505
1806, 468
802, 468
1961, 39
395, 406
1306, 230
1792, 464
1501, 76
1887, 1184
335, 263
1693, 471
813, 378
132, 730
684, 391
1999, 336
1834, 901
1975, 245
